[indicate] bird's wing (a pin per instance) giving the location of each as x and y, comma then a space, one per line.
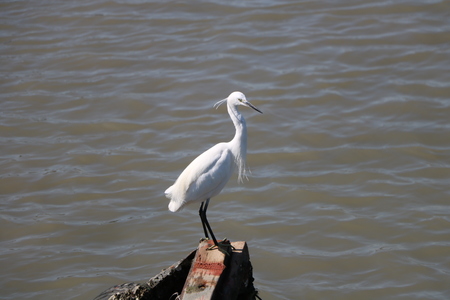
213, 180
206, 175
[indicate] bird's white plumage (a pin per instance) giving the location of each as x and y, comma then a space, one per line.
208, 174
203, 178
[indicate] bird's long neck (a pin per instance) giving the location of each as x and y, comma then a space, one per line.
239, 141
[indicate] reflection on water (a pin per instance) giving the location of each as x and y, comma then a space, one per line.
104, 103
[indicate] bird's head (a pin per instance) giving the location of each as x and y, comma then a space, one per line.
237, 98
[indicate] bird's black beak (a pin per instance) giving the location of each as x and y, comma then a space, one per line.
254, 107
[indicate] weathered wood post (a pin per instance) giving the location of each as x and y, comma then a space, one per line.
204, 274
215, 275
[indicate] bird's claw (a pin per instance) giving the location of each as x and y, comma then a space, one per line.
223, 246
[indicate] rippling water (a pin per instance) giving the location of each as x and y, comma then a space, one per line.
103, 103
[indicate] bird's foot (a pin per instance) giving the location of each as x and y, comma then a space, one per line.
223, 246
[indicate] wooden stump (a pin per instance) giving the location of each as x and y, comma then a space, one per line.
215, 275
203, 274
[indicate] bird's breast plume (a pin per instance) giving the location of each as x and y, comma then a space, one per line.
242, 168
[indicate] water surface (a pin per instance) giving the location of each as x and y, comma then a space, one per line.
103, 103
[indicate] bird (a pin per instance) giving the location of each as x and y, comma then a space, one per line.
207, 175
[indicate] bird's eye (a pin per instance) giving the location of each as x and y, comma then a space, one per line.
240, 100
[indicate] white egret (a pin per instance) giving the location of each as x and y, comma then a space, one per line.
207, 175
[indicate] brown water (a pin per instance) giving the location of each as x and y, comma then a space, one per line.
103, 103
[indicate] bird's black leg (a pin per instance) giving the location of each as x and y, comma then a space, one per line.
205, 222
201, 213
206, 227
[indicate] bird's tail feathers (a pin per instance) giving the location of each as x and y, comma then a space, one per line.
168, 192
175, 202
175, 205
